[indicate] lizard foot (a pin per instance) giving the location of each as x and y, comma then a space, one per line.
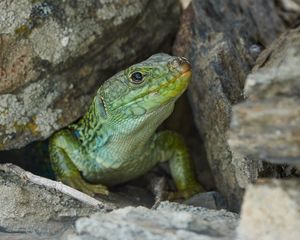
80, 184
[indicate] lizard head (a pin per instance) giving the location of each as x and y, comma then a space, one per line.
146, 86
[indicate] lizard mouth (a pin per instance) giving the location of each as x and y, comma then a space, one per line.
167, 91
178, 83
159, 91
186, 74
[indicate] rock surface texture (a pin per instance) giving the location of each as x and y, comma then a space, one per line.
222, 39
170, 221
289, 11
32, 211
271, 210
54, 54
28, 207
267, 125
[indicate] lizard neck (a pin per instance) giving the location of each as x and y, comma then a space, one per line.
137, 130
91, 124
94, 129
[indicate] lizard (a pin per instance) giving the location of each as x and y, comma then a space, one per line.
116, 140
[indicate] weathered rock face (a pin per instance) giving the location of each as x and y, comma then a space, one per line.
267, 125
271, 210
223, 39
170, 221
185, 3
27, 207
54, 55
289, 11
38, 208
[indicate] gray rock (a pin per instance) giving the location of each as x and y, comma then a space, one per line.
27, 207
271, 210
210, 200
290, 11
185, 3
54, 55
266, 126
25, 236
222, 39
170, 221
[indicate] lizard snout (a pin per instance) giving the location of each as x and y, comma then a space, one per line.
180, 64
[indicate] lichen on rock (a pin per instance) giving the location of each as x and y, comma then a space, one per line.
54, 54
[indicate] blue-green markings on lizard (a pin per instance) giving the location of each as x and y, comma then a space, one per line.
115, 141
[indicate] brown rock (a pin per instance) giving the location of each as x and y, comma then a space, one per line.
267, 125
289, 11
223, 40
54, 55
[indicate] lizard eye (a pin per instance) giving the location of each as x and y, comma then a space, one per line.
137, 77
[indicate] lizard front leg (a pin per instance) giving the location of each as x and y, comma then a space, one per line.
65, 151
170, 147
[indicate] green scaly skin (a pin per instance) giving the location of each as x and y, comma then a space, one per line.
115, 141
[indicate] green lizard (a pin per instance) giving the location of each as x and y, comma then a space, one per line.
115, 141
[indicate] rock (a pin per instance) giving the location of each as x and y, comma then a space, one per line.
129, 195
54, 55
23, 236
185, 3
271, 210
210, 200
26, 207
170, 221
290, 11
266, 126
222, 39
